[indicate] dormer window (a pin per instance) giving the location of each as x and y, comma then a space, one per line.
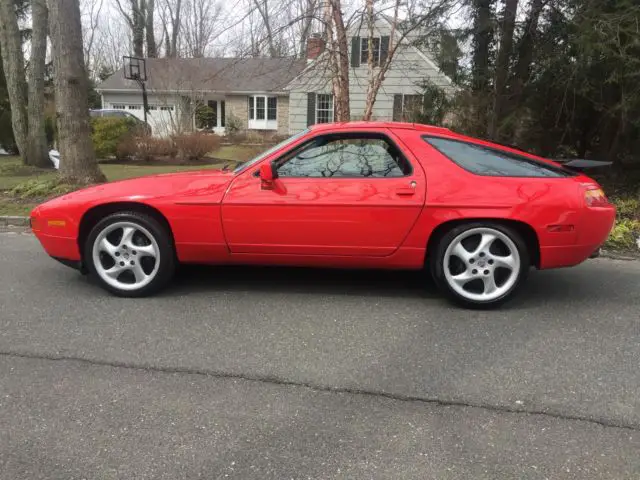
364, 51
360, 51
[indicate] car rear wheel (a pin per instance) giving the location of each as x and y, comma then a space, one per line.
131, 254
480, 264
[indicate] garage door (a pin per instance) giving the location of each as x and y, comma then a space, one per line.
160, 117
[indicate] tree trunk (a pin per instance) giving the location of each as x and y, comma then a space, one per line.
262, 7
371, 77
38, 148
175, 29
502, 65
306, 28
341, 59
138, 18
77, 156
151, 39
13, 64
525, 51
481, 42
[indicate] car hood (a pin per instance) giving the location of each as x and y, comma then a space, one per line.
194, 186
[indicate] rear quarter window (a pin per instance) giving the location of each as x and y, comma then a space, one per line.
492, 162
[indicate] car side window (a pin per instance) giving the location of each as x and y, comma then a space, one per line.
492, 162
345, 156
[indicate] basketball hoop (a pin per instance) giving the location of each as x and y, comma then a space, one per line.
135, 69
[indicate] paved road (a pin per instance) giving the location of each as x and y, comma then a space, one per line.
284, 373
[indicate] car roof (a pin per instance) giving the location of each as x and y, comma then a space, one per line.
392, 125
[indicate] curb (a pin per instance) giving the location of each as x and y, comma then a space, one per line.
618, 256
14, 221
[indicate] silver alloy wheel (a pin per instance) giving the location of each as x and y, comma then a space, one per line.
126, 256
482, 264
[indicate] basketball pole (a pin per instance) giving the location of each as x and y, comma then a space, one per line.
145, 102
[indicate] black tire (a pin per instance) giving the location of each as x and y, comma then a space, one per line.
437, 267
167, 257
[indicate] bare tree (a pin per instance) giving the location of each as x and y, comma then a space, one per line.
306, 11
431, 14
200, 25
13, 64
109, 48
77, 156
38, 151
136, 19
149, 31
263, 8
502, 64
26, 99
92, 19
338, 59
171, 18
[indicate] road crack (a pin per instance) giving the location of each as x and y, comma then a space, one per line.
274, 380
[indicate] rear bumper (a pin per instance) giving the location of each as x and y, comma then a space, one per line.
592, 233
566, 256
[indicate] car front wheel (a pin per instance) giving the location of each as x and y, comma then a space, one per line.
480, 264
131, 254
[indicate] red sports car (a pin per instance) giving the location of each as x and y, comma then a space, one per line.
352, 195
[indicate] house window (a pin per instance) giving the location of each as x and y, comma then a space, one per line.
272, 108
134, 107
260, 101
213, 120
117, 107
364, 51
406, 108
324, 108
152, 107
167, 109
263, 112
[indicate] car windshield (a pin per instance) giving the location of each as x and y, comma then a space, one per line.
247, 164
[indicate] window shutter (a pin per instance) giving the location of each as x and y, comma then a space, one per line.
355, 51
384, 49
311, 109
397, 108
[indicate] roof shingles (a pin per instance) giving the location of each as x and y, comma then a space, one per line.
211, 75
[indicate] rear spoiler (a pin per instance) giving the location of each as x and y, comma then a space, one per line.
581, 164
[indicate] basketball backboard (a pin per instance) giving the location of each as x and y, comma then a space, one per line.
135, 69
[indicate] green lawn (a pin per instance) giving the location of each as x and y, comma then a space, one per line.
13, 173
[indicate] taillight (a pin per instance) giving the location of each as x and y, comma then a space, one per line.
595, 197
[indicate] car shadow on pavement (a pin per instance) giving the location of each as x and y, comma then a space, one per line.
578, 284
387, 283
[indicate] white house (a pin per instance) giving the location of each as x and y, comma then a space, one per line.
277, 95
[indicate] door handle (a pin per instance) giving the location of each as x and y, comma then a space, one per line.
407, 191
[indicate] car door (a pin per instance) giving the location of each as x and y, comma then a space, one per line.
351, 193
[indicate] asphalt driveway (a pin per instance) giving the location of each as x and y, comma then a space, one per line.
293, 373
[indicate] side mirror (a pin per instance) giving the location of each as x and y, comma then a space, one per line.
267, 176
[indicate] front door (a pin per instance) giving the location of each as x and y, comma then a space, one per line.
353, 194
